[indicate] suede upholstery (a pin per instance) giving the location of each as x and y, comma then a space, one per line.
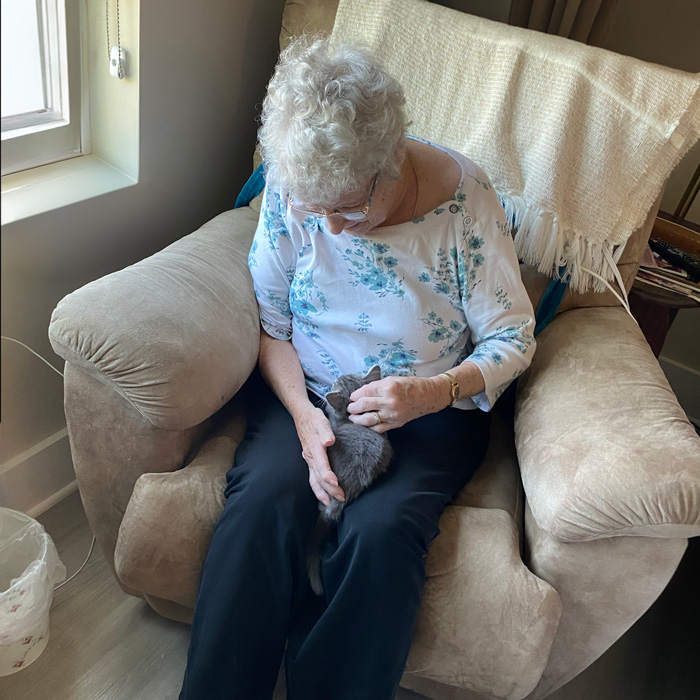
478, 594
193, 298
112, 445
604, 586
527, 583
496, 484
158, 554
609, 476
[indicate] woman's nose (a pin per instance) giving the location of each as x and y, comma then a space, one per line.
336, 224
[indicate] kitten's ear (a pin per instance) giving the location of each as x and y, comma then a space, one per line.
375, 374
335, 400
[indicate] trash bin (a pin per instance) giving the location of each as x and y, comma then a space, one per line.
29, 570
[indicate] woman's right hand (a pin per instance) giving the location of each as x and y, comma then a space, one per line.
315, 435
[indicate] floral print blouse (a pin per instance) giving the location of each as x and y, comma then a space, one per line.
416, 299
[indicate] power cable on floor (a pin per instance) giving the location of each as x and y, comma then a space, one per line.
92, 546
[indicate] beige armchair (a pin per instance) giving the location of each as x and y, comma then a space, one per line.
568, 532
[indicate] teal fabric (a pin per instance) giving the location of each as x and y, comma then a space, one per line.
549, 304
551, 299
252, 188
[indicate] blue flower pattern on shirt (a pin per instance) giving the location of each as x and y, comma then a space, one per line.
486, 185
327, 361
393, 359
450, 332
445, 277
252, 262
372, 268
273, 221
504, 228
422, 286
363, 325
518, 336
486, 350
310, 224
502, 297
469, 265
281, 304
456, 273
305, 301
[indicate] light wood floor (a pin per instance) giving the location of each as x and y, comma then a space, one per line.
106, 645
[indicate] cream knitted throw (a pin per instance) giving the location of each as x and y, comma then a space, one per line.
578, 141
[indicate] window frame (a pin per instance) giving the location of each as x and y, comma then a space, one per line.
46, 136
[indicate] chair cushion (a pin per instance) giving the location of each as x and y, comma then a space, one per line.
496, 483
478, 593
486, 623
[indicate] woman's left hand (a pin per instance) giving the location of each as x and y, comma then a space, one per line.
397, 400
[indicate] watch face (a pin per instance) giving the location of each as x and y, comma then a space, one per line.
456, 392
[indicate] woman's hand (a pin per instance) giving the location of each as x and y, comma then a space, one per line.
315, 435
398, 400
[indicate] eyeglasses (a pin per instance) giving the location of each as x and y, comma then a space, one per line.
360, 215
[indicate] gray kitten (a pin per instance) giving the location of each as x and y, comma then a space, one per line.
357, 457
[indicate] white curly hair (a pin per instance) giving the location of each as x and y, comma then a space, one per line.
332, 119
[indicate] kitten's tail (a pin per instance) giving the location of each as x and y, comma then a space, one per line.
313, 559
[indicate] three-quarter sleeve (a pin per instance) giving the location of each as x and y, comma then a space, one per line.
272, 264
498, 310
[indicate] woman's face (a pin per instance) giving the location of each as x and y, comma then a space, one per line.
379, 199
376, 195
337, 223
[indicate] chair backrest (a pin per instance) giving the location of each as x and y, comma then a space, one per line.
318, 16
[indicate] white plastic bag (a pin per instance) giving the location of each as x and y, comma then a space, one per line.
29, 569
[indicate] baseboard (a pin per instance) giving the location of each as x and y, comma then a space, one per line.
52, 500
39, 477
33, 450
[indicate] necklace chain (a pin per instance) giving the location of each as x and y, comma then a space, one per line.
119, 42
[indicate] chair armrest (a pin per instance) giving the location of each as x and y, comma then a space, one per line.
176, 334
168, 524
604, 448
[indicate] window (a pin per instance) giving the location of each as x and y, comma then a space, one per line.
41, 83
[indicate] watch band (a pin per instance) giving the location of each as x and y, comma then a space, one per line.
454, 388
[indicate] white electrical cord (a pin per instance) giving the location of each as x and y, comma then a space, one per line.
92, 546
4, 337
618, 278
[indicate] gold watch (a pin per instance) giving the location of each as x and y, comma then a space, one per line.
454, 389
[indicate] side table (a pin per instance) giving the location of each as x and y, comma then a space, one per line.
655, 309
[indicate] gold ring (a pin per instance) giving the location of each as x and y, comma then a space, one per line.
377, 418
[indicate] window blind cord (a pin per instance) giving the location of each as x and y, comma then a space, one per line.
92, 546
119, 40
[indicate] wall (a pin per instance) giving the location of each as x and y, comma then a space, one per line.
203, 69
667, 33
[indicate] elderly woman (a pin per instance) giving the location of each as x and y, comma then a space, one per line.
373, 248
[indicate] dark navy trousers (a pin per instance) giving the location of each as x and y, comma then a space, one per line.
254, 596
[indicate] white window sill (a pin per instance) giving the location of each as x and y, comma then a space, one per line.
48, 187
